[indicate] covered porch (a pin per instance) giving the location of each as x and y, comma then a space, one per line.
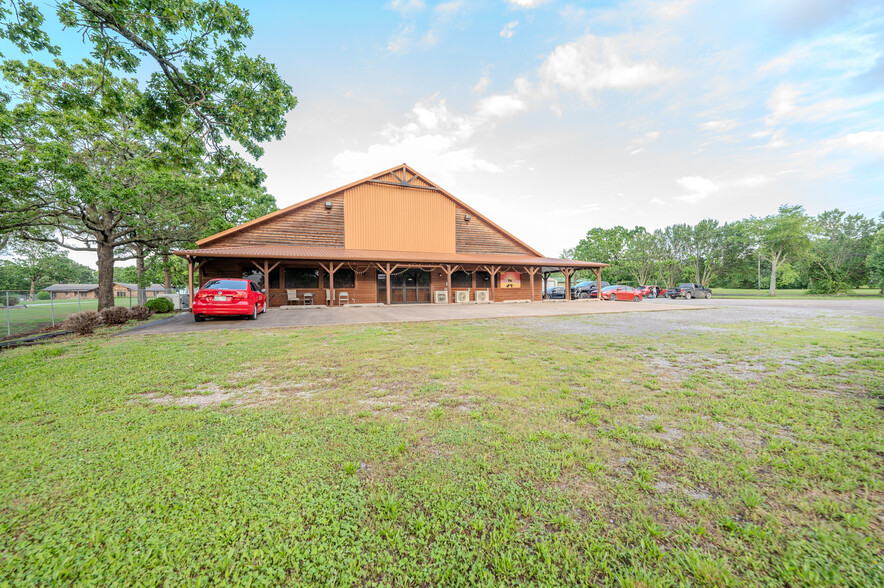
334, 276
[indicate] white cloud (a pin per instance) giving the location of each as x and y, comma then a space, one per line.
782, 103
526, 3
637, 145
594, 63
405, 6
698, 187
509, 30
719, 126
449, 8
863, 143
500, 105
434, 139
752, 181
674, 10
407, 38
482, 84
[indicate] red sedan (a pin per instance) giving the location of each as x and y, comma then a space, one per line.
621, 293
229, 297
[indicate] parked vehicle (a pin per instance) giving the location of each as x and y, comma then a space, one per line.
555, 293
646, 290
688, 291
229, 297
586, 289
619, 292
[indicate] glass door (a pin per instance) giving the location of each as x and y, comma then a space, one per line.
409, 286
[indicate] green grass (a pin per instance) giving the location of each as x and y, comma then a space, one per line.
446, 454
794, 293
39, 314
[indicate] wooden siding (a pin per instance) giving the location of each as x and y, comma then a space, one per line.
391, 218
310, 226
476, 236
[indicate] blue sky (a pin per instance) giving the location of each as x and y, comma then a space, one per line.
553, 117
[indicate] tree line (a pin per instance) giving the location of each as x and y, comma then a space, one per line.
829, 253
93, 159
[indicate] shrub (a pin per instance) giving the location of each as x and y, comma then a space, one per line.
82, 323
115, 315
160, 305
43, 295
11, 301
140, 313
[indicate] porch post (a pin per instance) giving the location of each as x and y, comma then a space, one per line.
493, 273
331, 283
389, 273
531, 272
190, 280
474, 283
567, 272
598, 283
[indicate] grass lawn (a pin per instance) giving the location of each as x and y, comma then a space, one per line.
793, 293
39, 314
454, 453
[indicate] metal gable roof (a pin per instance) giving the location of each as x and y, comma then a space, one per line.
364, 255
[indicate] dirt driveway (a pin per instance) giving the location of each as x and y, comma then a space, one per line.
723, 310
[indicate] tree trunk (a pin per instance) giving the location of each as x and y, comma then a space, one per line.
167, 273
759, 272
774, 262
105, 273
139, 274
33, 288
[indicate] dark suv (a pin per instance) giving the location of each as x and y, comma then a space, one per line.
586, 289
689, 291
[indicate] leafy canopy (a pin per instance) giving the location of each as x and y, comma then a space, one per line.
205, 79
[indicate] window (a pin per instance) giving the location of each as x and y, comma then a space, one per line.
301, 277
274, 278
483, 280
344, 278
225, 285
461, 280
254, 275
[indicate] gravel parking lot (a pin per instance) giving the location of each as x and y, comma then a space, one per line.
650, 317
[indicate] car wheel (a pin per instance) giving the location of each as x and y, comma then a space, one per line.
254, 315
612, 297
635, 298
198, 318
687, 295
583, 295
708, 295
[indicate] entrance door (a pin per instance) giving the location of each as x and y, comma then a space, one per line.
406, 287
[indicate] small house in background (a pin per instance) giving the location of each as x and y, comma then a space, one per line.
61, 291
89, 291
392, 238
122, 289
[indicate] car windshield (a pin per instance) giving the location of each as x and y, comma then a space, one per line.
583, 284
226, 285
609, 288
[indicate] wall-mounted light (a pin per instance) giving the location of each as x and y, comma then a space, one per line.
467, 217
328, 204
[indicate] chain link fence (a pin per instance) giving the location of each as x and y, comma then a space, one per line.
25, 313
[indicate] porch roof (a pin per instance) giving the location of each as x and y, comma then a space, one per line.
365, 255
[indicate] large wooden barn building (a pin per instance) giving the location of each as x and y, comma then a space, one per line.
394, 237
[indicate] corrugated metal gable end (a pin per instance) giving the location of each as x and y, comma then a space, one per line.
389, 218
